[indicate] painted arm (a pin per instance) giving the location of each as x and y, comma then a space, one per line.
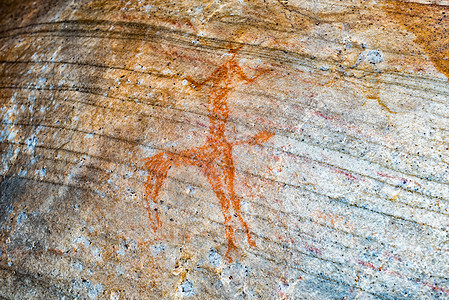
195, 84
243, 76
257, 139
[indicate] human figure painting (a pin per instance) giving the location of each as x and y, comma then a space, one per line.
215, 158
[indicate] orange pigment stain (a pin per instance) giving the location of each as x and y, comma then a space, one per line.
335, 220
214, 159
429, 23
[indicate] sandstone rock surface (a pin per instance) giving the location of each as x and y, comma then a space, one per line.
224, 149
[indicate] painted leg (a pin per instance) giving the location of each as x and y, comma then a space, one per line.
229, 176
158, 167
236, 205
214, 181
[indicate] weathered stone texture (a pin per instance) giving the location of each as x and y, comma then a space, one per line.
224, 149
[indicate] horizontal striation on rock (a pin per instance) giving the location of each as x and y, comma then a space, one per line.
324, 125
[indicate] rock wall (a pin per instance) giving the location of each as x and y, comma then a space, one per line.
224, 149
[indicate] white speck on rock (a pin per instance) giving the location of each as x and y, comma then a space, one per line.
21, 217
77, 265
8, 159
190, 190
120, 270
156, 249
41, 173
94, 290
374, 56
31, 143
12, 135
186, 289
214, 258
121, 250
82, 240
41, 82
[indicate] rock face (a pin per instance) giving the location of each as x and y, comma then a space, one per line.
224, 149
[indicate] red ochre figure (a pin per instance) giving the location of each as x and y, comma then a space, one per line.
214, 159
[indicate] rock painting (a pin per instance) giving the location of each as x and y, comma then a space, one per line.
215, 158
